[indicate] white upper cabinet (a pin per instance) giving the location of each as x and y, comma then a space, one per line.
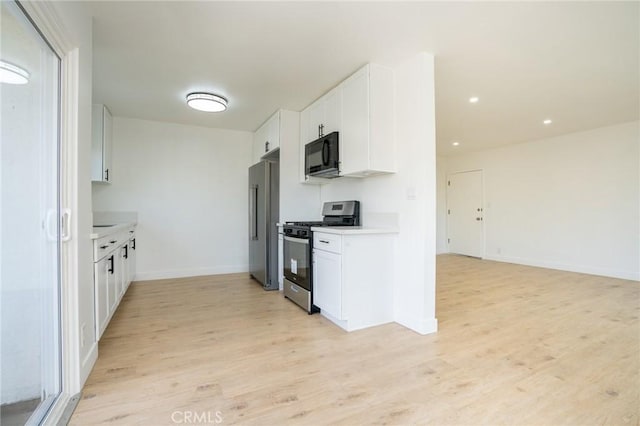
367, 139
315, 113
322, 117
267, 138
361, 109
101, 144
259, 142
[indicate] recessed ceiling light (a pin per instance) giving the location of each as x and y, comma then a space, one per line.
12, 74
455, 143
207, 102
547, 122
474, 99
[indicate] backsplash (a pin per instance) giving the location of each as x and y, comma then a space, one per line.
107, 218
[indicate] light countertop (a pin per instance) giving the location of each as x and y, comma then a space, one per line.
352, 230
103, 231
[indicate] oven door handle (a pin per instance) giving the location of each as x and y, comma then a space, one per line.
297, 240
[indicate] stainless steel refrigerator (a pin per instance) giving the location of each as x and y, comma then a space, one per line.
264, 195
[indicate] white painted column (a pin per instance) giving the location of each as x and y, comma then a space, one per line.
415, 137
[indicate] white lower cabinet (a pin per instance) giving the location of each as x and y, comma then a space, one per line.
114, 268
327, 272
123, 277
280, 258
353, 277
131, 260
103, 275
114, 281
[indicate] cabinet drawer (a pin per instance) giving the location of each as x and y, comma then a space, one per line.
105, 245
327, 242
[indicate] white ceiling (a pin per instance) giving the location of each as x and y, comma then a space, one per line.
576, 63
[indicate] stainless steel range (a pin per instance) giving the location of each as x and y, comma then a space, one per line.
298, 246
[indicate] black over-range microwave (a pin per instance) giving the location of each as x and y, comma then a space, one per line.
322, 157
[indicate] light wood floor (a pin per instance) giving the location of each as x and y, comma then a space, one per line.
517, 345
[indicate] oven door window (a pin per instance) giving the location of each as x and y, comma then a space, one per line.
297, 257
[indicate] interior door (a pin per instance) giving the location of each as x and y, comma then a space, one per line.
465, 224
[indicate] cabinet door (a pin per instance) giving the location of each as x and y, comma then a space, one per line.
310, 119
273, 132
325, 115
123, 276
267, 137
107, 143
259, 141
97, 157
308, 133
304, 135
132, 260
354, 137
101, 143
101, 283
332, 111
113, 281
327, 282
316, 119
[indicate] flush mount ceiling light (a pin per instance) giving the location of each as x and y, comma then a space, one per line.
12, 74
547, 122
208, 102
474, 99
455, 143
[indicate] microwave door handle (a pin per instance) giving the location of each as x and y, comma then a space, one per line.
325, 152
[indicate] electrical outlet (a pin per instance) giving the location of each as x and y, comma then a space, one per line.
499, 250
82, 331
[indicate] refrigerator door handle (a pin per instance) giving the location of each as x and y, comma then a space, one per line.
253, 212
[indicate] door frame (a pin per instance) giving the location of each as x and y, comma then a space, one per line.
47, 19
482, 201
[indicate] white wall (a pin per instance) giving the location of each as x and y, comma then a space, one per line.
386, 201
297, 201
189, 187
569, 202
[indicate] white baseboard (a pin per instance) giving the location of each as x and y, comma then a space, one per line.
194, 272
87, 364
420, 326
583, 269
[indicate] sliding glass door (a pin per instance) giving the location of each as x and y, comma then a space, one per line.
30, 220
